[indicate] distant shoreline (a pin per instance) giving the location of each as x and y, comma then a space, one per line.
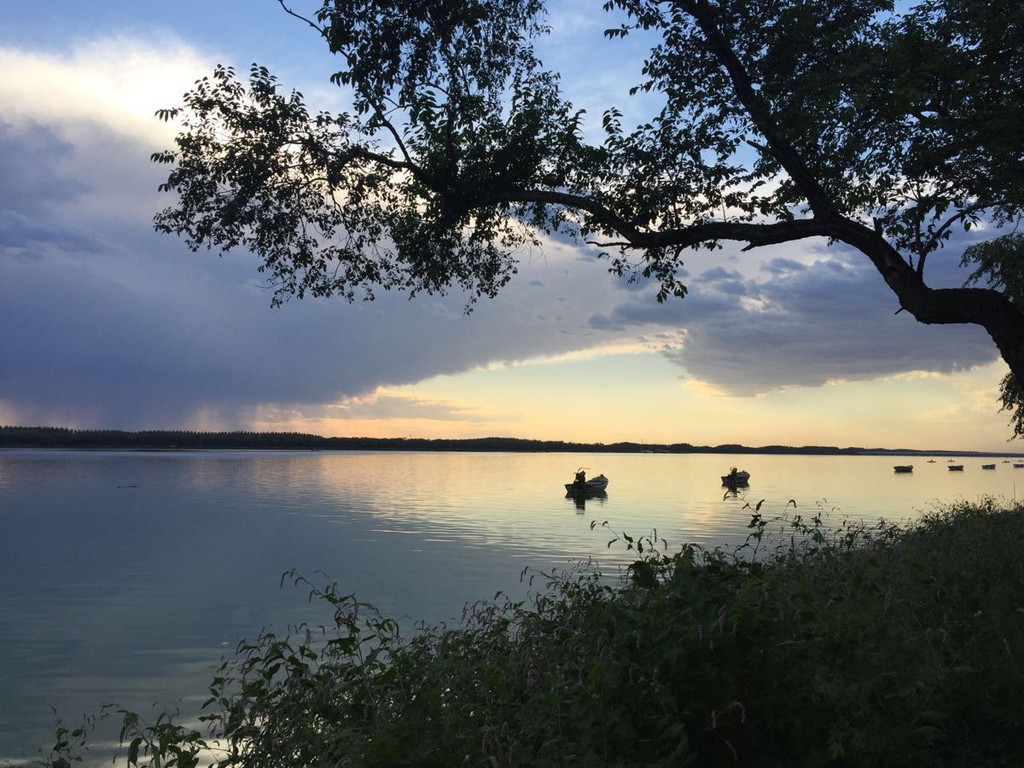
60, 437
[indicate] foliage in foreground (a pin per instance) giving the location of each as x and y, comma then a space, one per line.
856, 645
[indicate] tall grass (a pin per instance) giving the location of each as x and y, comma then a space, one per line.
817, 645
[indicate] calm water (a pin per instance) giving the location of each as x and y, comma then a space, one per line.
127, 575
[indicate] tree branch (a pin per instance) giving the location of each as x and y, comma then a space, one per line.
300, 17
389, 126
933, 241
927, 305
758, 110
361, 153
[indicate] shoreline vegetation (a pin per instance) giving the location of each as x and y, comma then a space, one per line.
63, 437
811, 644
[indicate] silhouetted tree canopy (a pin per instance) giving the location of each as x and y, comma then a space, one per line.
775, 121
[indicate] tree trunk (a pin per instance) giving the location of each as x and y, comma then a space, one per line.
989, 308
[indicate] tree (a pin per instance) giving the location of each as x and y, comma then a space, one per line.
776, 120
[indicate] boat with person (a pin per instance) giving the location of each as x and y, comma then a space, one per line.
582, 485
736, 477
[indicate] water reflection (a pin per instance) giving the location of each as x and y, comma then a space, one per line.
121, 567
580, 498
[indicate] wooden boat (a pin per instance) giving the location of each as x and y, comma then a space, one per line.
988, 466
1018, 466
902, 468
956, 467
736, 477
584, 486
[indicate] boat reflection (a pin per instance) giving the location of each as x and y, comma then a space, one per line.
580, 498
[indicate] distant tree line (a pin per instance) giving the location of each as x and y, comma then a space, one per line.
61, 437
159, 439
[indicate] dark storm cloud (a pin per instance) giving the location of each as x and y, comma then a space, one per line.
23, 238
783, 266
804, 324
31, 176
108, 324
130, 356
725, 281
31, 181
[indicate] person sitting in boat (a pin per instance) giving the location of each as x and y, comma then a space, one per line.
581, 478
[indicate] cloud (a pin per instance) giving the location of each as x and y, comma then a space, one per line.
802, 322
200, 338
21, 237
782, 266
382, 404
121, 327
109, 324
117, 82
30, 156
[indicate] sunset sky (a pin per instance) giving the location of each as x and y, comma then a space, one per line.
107, 324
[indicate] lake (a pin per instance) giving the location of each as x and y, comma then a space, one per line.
127, 575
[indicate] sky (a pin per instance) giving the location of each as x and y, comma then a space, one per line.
107, 324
